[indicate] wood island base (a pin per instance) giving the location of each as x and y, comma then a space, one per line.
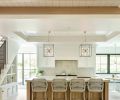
57, 96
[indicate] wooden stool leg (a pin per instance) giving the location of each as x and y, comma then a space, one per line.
45, 96
52, 95
32, 96
65, 96
102, 95
88, 95
83, 95
70, 96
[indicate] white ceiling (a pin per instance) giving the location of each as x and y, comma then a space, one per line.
59, 3
99, 28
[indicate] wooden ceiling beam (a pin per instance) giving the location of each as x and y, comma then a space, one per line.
59, 10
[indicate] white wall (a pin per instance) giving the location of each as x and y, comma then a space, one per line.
12, 50
67, 52
107, 50
44, 61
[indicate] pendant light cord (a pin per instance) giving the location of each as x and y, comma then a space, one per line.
49, 32
85, 37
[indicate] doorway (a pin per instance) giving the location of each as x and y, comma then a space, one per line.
26, 66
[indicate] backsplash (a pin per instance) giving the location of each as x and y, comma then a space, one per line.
86, 72
66, 66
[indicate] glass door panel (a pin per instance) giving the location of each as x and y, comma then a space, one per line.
19, 68
27, 65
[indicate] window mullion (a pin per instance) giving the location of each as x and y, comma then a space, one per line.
100, 64
108, 64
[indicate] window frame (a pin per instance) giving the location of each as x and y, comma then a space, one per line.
108, 63
115, 55
23, 66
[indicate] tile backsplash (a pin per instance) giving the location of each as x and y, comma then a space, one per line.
65, 67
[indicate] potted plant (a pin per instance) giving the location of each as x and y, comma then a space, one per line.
40, 72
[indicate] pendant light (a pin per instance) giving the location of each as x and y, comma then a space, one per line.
115, 59
85, 48
49, 47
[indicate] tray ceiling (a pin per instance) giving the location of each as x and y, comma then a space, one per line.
63, 28
59, 3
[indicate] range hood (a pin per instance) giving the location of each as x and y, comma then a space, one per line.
66, 67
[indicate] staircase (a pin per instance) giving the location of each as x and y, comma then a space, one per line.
2, 59
8, 52
2, 56
8, 85
8, 81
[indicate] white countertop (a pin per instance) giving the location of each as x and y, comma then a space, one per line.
68, 78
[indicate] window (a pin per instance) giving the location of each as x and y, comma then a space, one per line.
108, 63
115, 64
19, 68
26, 62
27, 66
101, 63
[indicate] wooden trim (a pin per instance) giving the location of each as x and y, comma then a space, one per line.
59, 10
28, 91
106, 93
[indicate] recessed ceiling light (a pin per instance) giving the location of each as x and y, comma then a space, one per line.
30, 32
101, 32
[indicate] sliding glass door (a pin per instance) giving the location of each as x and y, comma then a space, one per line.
26, 66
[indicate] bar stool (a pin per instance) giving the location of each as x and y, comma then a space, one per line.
77, 85
39, 85
59, 85
95, 85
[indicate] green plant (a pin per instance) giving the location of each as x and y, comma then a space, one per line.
40, 72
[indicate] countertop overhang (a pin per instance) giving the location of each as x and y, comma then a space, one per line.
68, 78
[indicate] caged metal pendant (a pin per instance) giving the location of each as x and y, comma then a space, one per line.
48, 48
85, 49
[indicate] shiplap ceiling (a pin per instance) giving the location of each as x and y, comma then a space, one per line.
59, 3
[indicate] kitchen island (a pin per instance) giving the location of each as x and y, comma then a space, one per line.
96, 96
